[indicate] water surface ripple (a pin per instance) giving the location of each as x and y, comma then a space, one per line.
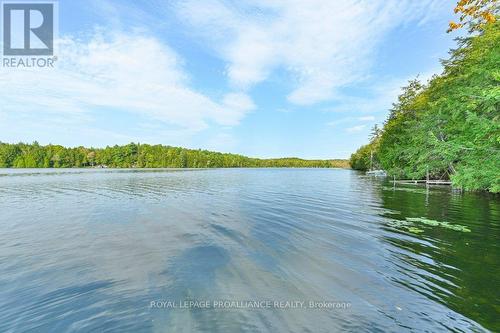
89, 250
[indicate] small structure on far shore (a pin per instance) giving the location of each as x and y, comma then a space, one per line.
377, 173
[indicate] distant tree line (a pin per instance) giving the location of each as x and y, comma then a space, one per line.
136, 155
448, 127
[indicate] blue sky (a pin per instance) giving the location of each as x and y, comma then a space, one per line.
269, 78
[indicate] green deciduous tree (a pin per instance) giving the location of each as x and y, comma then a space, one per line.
138, 156
449, 126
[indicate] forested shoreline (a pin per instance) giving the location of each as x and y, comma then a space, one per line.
448, 127
134, 155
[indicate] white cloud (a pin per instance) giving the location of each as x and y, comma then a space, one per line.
134, 73
366, 118
223, 142
340, 121
377, 96
324, 44
355, 129
235, 107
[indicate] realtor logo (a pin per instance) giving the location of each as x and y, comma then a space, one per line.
28, 28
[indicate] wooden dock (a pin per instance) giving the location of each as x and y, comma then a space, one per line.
423, 181
426, 181
438, 182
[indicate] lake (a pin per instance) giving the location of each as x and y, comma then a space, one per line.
243, 250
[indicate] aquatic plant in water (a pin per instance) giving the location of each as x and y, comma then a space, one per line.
405, 225
415, 230
410, 225
406, 189
434, 223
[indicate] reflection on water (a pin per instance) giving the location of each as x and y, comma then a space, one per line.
89, 250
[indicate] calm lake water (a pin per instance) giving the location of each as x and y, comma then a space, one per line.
100, 250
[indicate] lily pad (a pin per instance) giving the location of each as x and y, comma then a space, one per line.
414, 230
399, 224
434, 223
406, 189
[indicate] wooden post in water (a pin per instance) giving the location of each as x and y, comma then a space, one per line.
371, 160
427, 176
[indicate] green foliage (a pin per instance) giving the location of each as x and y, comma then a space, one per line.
360, 160
366, 156
139, 156
450, 126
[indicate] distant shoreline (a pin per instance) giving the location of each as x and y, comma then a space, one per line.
170, 168
137, 156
